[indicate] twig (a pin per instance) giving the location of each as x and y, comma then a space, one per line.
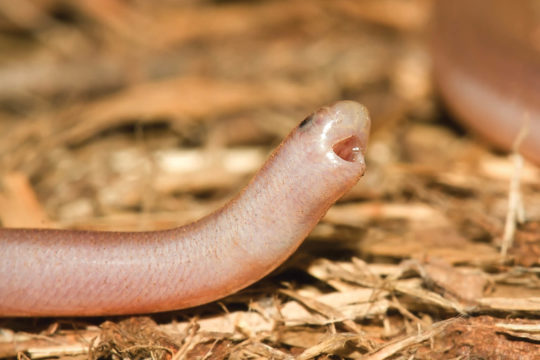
516, 212
398, 345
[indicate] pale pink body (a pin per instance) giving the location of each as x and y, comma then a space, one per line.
487, 65
74, 273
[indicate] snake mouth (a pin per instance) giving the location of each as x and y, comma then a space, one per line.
349, 149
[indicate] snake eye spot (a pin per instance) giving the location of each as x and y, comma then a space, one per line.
306, 121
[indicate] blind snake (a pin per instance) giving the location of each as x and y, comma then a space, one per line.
487, 65
88, 273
